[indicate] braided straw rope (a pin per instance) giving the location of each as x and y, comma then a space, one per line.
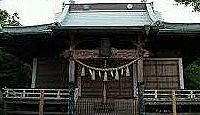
106, 69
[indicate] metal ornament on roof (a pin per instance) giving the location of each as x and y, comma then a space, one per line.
114, 72
129, 6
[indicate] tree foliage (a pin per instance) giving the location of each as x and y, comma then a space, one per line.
192, 75
194, 3
13, 72
7, 20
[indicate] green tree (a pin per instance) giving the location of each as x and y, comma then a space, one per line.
192, 75
7, 20
194, 3
13, 72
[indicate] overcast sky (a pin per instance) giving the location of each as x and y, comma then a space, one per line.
35, 12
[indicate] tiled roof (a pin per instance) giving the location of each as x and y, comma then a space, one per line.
27, 29
109, 18
107, 15
180, 28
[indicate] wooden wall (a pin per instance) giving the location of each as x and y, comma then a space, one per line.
51, 73
163, 73
158, 73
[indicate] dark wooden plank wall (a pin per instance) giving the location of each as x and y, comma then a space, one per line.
161, 73
51, 73
158, 73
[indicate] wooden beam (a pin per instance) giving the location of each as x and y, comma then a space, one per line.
94, 54
181, 79
34, 73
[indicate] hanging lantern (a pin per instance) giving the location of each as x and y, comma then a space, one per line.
112, 74
116, 75
100, 74
105, 76
93, 75
83, 71
127, 72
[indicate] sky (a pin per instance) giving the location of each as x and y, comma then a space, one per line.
36, 12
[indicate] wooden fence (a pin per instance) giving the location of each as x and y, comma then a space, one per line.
172, 101
37, 101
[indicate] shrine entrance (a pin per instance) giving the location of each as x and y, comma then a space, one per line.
115, 83
107, 92
107, 85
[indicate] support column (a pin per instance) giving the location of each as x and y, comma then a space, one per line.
71, 88
140, 70
181, 73
134, 80
79, 82
174, 102
41, 105
141, 103
71, 71
34, 73
71, 61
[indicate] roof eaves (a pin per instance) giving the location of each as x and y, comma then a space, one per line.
181, 27
98, 27
151, 14
27, 29
64, 13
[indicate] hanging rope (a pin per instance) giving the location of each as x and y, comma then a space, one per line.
106, 69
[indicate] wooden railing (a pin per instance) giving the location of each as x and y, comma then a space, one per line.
49, 94
167, 94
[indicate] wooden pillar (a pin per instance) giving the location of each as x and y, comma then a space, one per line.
135, 105
104, 86
79, 82
5, 107
181, 73
134, 80
34, 73
41, 106
71, 70
140, 70
174, 102
71, 61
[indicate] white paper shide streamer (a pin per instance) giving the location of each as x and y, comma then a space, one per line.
116, 75
100, 74
105, 76
114, 72
83, 71
93, 75
127, 72
111, 73
122, 72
